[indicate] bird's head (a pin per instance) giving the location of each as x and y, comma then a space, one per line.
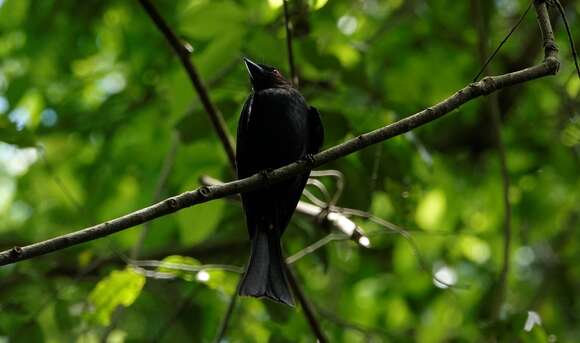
263, 76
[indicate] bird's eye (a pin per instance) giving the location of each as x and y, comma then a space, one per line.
276, 72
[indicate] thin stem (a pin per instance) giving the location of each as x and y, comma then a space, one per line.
321, 187
185, 267
315, 246
307, 307
569, 32
338, 175
61, 185
183, 53
229, 312
401, 231
288, 25
513, 29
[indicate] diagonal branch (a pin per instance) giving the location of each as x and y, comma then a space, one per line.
307, 307
183, 53
229, 312
207, 193
319, 210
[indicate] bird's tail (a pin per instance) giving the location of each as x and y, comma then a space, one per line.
265, 275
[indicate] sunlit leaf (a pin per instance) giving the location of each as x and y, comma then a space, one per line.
120, 288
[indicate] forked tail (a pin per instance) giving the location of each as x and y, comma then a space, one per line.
265, 275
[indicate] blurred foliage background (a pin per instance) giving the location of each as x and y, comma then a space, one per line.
94, 106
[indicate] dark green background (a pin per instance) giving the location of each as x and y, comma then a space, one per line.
91, 97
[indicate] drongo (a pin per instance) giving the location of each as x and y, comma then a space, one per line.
276, 127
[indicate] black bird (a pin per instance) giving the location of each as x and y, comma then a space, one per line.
276, 128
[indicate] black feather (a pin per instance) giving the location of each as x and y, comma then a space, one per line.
276, 128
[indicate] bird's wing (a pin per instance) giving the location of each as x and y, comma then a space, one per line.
293, 187
243, 140
290, 191
316, 134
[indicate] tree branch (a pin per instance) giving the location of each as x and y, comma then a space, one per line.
320, 212
203, 194
208, 193
183, 53
550, 47
288, 26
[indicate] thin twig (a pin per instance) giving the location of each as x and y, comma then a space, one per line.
513, 29
229, 312
61, 185
152, 274
183, 53
315, 246
184, 267
321, 187
288, 26
569, 32
313, 199
404, 233
338, 175
307, 307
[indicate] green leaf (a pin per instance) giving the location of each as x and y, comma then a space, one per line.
120, 288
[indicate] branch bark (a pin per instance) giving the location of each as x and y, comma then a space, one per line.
334, 218
183, 53
549, 66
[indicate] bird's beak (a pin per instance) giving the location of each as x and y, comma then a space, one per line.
254, 69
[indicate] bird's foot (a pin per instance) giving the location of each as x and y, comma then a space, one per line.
308, 158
